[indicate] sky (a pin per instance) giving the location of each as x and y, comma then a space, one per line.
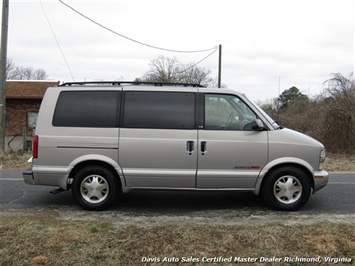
268, 46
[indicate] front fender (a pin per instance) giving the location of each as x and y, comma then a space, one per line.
279, 162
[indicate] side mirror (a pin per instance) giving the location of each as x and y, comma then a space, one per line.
257, 125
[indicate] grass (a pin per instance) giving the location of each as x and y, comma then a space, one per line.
44, 239
340, 163
14, 160
334, 162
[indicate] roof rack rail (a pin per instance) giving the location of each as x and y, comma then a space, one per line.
118, 83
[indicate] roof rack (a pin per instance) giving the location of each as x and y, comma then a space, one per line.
118, 83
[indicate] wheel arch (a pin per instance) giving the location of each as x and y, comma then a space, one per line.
95, 162
263, 177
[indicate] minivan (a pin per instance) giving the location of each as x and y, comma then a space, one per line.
100, 139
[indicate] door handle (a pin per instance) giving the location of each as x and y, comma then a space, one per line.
203, 147
190, 147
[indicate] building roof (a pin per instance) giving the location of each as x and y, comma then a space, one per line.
28, 89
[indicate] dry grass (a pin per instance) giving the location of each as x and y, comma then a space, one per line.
14, 160
334, 162
46, 239
340, 163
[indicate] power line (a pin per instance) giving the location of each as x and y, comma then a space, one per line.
55, 37
133, 40
203, 59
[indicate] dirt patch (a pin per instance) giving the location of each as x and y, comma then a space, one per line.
195, 219
238, 218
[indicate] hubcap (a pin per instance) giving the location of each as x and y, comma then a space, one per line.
287, 189
94, 189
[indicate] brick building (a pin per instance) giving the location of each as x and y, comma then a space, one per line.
23, 99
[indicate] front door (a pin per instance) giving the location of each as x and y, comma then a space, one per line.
231, 154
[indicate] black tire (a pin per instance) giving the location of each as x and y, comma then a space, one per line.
94, 188
286, 189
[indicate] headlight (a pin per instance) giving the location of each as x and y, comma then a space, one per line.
322, 159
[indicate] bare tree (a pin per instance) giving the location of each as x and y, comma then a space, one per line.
340, 83
340, 112
330, 117
24, 73
165, 69
39, 74
197, 75
10, 66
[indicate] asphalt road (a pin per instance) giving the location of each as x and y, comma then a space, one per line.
338, 197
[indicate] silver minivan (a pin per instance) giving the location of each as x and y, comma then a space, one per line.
103, 138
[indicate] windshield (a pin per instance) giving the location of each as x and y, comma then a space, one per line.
273, 122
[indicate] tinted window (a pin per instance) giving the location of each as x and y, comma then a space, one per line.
170, 110
87, 109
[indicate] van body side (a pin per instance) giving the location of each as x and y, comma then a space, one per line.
100, 140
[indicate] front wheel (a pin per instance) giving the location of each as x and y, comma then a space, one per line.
94, 188
286, 189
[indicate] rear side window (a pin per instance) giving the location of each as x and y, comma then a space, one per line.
87, 109
165, 110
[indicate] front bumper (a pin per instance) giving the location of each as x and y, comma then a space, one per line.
321, 179
28, 176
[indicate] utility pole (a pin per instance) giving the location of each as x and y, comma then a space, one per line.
220, 66
4, 28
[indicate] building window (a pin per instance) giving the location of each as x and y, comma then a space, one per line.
32, 119
7, 121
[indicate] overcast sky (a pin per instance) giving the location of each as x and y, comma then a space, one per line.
302, 42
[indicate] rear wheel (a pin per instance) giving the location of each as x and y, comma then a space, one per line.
95, 188
286, 189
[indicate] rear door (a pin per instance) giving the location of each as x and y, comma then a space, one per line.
158, 139
231, 154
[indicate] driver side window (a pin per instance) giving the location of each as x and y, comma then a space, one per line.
227, 112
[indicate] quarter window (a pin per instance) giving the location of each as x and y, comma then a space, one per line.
165, 110
87, 109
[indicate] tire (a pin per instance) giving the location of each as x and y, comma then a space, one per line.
94, 188
286, 189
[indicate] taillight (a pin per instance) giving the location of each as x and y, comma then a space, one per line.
35, 147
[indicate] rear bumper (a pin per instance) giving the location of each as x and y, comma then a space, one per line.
46, 176
28, 176
321, 179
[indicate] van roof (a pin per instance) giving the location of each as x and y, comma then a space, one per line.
137, 85
122, 83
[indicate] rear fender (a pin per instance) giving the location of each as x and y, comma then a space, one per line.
100, 159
